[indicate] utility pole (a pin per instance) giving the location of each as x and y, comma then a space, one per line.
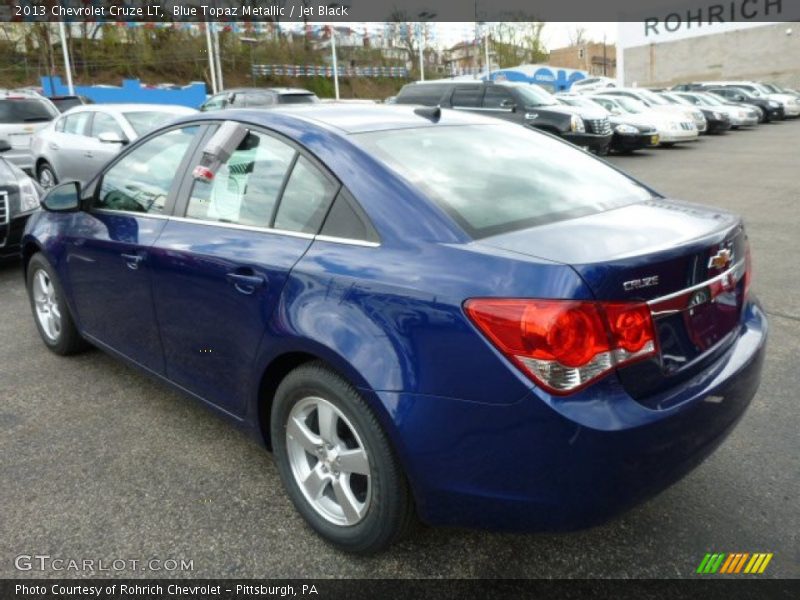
605, 58
335, 64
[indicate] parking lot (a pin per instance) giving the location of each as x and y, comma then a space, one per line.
97, 461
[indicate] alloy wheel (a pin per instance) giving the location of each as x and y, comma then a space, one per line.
48, 312
328, 460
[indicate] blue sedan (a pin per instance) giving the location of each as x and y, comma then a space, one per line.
423, 314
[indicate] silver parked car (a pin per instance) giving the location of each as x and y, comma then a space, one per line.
22, 114
77, 144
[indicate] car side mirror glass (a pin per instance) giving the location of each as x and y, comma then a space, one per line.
510, 104
4, 146
65, 197
110, 137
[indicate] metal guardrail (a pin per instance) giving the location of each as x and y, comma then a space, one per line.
326, 71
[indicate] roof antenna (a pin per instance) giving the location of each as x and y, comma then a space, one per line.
432, 113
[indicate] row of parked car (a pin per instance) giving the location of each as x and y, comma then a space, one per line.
611, 118
69, 138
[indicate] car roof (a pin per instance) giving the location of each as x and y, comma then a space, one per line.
349, 119
121, 108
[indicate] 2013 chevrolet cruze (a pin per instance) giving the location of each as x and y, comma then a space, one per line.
421, 312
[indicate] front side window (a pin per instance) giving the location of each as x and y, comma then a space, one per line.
497, 178
141, 180
495, 96
306, 199
245, 189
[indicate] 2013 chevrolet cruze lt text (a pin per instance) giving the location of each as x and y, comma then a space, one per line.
423, 313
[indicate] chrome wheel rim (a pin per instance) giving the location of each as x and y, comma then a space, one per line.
46, 179
328, 461
46, 302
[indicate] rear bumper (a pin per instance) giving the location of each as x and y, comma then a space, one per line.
595, 142
544, 463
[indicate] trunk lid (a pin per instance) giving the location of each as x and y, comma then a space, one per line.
686, 261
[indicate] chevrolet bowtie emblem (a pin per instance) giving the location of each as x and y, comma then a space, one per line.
721, 259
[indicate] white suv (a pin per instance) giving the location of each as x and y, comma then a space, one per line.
21, 115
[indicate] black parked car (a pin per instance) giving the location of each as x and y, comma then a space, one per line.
628, 135
773, 111
258, 98
19, 197
521, 103
64, 103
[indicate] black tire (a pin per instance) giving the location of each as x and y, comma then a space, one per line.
390, 512
68, 341
45, 167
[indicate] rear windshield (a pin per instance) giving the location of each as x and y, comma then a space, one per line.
64, 104
297, 99
144, 121
497, 178
25, 110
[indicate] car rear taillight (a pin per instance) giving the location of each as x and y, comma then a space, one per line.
748, 270
564, 345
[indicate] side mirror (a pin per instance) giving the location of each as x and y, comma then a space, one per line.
65, 197
4, 146
509, 104
109, 137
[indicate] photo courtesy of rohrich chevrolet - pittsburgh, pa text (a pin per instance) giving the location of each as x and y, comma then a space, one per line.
377, 299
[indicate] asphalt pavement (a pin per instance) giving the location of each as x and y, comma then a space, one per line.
97, 461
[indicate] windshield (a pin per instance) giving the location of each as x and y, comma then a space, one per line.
63, 104
496, 178
630, 105
535, 96
144, 121
579, 101
26, 110
706, 100
677, 99
653, 98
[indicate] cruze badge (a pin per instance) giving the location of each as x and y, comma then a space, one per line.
721, 259
637, 284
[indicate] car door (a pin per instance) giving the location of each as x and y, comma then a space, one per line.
98, 152
219, 270
68, 146
108, 254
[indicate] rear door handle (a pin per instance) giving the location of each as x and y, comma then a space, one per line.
88, 154
132, 260
245, 282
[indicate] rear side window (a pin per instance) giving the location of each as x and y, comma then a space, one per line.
427, 93
347, 220
103, 123
76, 124
306, 199
245, 189
467, 97
26, 110
496, 178
297, 99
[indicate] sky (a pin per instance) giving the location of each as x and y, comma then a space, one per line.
554, 34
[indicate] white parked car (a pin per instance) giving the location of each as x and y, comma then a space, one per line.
740, 115
592, 84
82, 140
672, 128
657, 103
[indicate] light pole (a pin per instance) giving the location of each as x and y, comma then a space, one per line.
252, 43
211, 63
62, 32
335, 65
423, 16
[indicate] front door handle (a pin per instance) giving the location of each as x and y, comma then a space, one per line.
246, 282
132, 260
88, 154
